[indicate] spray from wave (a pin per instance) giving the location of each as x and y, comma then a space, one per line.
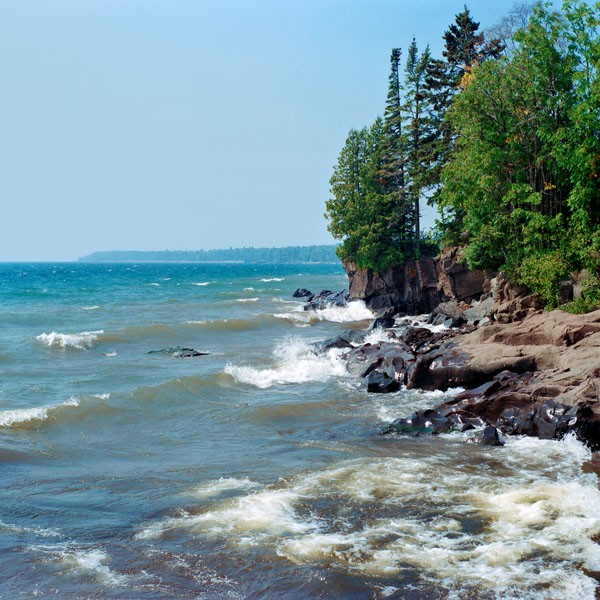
81, 341
295, 362
354, 311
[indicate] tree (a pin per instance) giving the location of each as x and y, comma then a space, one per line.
359, 212
419, 133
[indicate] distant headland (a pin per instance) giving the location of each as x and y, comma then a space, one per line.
288, 254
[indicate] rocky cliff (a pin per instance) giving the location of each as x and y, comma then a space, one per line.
417, 286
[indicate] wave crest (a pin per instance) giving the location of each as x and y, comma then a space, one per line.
296, 362
81, 341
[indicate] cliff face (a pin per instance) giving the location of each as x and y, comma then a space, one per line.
419, 285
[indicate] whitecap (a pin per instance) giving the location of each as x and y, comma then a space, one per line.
101, 396
202, 283
82, 340
22, 415
266, 280
353, 312
247, 300
249, 289
156, 284
295, 362
95, 307
224, 484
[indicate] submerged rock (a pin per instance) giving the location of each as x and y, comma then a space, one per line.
302, 293
178, 352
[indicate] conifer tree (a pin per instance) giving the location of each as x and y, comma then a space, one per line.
418, 130
392, 171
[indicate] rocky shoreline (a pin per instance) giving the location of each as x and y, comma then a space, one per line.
525, 371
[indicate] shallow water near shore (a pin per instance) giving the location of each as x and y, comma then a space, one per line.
256, 471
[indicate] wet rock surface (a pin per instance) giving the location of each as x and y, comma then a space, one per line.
179, 352
303, 293
539, 376
327, 298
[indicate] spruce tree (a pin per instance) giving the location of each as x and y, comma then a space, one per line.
418, 130
392, 171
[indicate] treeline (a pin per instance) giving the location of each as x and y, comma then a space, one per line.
289, 254
502, 135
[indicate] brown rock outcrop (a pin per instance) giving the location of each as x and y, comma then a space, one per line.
417, 286
543, 375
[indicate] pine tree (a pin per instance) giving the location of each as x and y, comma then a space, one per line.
418, 130
392, 168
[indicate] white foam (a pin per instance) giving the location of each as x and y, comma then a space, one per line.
202, 283
269, 512
420, 321
109, 354
196, 322
249, 289
156, 284
101, 396
353, 312
82, 340
378, 335
22, 415
95, 307
389, 407
522, 529
247, 300
83, 559
215, 488
273, 279
20, 529
295, 362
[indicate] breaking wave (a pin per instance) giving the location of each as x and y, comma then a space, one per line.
295, 362
353, 312
81, 341
8, 418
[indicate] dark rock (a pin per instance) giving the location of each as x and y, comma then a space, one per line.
417, 286
423, 421
381, 383
327, 298
382, 323
489, 437
450, 313
328, 344
302, 293
178, 352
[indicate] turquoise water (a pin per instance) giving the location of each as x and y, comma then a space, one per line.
256, 471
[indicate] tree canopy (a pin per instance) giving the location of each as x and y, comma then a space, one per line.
502, 135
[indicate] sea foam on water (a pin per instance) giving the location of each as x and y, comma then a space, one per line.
295, 362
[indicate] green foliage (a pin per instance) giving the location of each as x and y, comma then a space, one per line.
589, 299
507, 144
543, 274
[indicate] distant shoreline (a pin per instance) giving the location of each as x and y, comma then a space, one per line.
323, 254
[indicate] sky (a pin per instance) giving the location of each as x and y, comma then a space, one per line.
189, 124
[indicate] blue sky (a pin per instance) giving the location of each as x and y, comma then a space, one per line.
174, 124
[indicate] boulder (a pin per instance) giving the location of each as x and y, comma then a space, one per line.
178, 352
422, 421
380, 382
327, 298
302, 293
